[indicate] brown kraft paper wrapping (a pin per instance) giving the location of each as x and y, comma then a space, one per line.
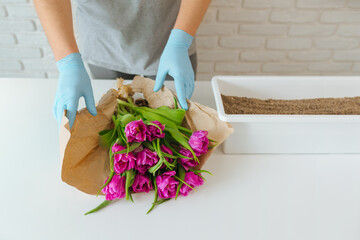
85, 165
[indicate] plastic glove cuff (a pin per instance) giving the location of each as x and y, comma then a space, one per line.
73, 57
180, 36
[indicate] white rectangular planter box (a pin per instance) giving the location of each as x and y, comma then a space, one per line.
255, 133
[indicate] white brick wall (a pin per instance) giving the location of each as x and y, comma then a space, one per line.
238, 37
22, 42
281, 37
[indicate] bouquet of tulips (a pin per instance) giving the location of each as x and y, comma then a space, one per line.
149, 149
139, 141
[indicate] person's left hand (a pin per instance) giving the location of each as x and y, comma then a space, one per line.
175, 61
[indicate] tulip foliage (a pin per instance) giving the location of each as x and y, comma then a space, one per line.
149, 149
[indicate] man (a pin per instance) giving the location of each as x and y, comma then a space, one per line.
120, 38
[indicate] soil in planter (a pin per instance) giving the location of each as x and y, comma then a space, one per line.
316, 106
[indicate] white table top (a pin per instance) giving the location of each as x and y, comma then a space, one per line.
252, 197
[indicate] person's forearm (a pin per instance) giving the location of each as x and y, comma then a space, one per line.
190, 15
56, 19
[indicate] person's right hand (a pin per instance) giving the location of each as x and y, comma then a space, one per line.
73, 83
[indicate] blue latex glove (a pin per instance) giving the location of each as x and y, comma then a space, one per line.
175, 61
73, 83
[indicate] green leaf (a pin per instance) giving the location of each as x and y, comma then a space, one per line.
165, 116
201, 171
101, 206
148, 145
174, 150
125, 119
200, 176
185, 130
176, 103
161, 201
215, 145
120, 141
156, 167
186, 136
121, 133
130, 175
151, 116
161, 155
168, 155
117, 123
197, 172
132, 147
107, 137
175, 115
181, 173
168, 164
163, 107
182, 181
111, 155
175, 133
172, 114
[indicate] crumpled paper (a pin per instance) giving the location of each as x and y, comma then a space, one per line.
85, 165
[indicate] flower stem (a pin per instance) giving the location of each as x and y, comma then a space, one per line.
121, 102
183, 129
156, 196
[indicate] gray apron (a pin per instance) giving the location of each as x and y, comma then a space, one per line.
125, 35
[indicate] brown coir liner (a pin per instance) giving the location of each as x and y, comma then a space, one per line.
316, 106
